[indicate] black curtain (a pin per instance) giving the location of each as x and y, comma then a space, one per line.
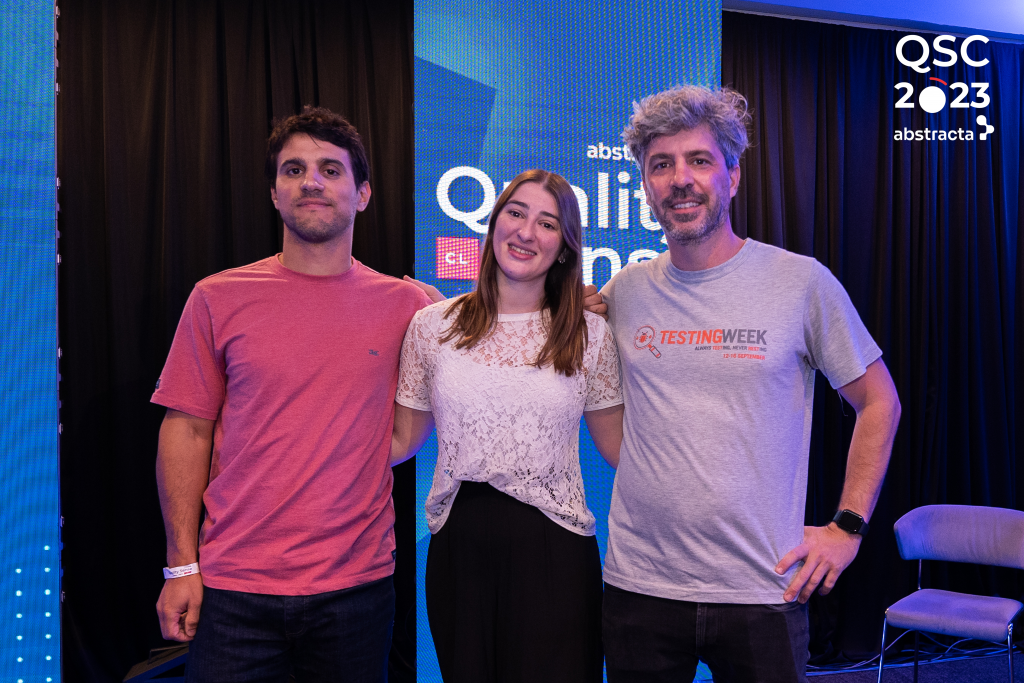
924, 236
163, 115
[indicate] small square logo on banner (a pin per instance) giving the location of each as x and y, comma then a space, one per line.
458, 258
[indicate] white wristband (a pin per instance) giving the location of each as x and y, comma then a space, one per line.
178, 572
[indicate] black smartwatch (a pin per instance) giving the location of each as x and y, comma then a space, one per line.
851, 522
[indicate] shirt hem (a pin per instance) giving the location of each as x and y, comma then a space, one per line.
568, 527
195, 411
682, 593
439, 520
870, 358
291, 589
602, 406
402, 401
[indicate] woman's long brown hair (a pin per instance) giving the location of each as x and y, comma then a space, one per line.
563, 286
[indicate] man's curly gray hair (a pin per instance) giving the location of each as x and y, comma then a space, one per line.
685, 107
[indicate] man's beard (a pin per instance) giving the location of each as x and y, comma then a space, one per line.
714, 218
317, 230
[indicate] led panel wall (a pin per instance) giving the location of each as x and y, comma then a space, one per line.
29, 512
502, 87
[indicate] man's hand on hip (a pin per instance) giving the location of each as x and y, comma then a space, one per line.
178, 607
826, 551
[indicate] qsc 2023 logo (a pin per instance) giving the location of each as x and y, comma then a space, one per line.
932, 99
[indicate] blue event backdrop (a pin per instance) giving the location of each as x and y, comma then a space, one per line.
29, 513
502, 87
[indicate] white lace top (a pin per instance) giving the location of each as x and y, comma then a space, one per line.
502, 420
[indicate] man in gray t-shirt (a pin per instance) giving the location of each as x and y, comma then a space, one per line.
719, 339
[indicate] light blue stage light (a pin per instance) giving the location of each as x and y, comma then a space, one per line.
28, 343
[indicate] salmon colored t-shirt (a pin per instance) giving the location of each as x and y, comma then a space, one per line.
299, 371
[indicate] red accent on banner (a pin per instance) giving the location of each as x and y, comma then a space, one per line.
458, 258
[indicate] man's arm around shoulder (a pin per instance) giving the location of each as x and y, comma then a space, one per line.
594, 302
827, 551
182, 474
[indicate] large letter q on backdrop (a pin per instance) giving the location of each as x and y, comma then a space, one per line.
471, 219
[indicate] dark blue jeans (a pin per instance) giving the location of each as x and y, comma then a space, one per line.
338, 636
651, 640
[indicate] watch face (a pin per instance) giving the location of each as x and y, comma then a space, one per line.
849, 521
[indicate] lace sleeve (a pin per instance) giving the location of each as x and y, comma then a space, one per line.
414, 371
604, 384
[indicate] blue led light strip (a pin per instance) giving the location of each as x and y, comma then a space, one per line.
29, 439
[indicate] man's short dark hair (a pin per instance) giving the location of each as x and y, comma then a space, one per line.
319, 123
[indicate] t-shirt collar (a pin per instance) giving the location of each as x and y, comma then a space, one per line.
280, 269
721, 270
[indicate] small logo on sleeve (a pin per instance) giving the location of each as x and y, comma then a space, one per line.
373, 352
644, 339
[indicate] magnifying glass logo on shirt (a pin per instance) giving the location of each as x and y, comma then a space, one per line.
644, 339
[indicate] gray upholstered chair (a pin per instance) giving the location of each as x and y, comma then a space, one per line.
958, 533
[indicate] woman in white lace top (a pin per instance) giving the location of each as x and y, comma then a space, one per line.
513, 572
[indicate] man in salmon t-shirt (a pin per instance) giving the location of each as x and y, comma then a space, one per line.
285, 370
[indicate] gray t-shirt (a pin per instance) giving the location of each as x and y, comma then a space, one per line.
718, 375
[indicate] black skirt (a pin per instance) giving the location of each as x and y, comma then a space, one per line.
512, 597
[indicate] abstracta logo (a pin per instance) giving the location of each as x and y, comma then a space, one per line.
458, 258
932, 98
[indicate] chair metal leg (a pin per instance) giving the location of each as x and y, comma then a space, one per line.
917, 645
881, 653
1009, 649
